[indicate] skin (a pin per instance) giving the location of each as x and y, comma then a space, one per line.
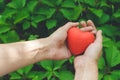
86, 65
17, 55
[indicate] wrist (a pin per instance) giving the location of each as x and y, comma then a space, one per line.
84, 62
86, 67
37, 50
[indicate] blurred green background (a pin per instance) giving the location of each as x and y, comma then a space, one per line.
22, 20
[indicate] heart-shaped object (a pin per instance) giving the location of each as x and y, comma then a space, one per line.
78, 40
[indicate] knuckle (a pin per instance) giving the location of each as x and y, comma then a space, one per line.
83, 29
90, 27
69, 23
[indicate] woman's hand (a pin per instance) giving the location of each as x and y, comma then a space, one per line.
58, 47
86, 65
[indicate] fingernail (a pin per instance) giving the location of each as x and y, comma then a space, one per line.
100, 31
82, 22
89, 20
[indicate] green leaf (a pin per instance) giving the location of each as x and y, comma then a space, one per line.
2, 20
92, 17
66, 75
17, 4
20, 71
67, 13
47, 12
68, 4
58, 64
116, 74
51, 23
47, 64
104, 18
101, 63
117, 14
35, 75
21, 16
100, 76
53, 78
114, 1
107, 42
3, 38
56, 73
2, 3
52, 3
25, 70
21, 3
76, 12
12, 5
34, 24
15, 76
118, 44
112, 55
49, 75
58, 2
48, 2
31, 5
109, 30
4, 29
108, 77
38, 18
97, 12
103, 3
33, 37
10, 36
88, 2
26, 25
71, 59
9, 12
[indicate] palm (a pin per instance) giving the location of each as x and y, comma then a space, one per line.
93, 51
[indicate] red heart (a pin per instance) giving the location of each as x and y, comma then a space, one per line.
78, 40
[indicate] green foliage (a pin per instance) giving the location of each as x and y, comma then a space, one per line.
51, 23
52, 69
32, 19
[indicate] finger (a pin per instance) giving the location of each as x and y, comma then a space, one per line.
83, 24
69, 25
90, 28
98, 43
99, 37
90, 23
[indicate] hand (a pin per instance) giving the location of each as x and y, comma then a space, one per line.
58, 47
29, 52
93, 52
86, 64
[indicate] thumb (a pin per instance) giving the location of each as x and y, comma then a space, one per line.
94, 50
98, 43
98, 37
68, 25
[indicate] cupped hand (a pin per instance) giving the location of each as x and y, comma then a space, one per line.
58, 47
93, 52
